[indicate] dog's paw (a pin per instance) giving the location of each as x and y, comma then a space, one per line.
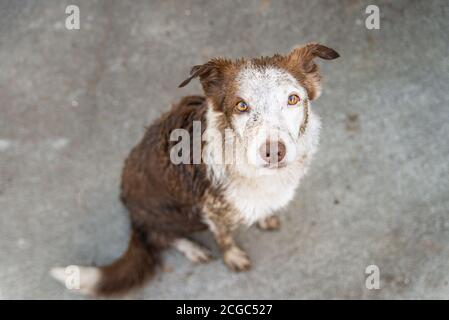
193, 251
236, 259
269, 224
199, 254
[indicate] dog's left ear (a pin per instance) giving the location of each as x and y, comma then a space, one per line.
301, 62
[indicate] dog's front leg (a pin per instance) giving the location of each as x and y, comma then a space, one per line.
234, 257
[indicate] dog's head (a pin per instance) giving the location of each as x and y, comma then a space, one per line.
264, 102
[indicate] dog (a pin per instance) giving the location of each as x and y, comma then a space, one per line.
262, 106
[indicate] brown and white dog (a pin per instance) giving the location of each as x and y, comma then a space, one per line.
263, 106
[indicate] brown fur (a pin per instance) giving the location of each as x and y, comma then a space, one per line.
164, 200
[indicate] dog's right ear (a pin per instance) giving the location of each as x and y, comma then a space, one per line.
194, 72
211, 75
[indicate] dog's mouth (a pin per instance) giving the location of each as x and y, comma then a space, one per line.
273, 166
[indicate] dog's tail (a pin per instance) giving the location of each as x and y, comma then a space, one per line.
136, 266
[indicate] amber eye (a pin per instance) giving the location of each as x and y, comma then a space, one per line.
293, 99
241, 106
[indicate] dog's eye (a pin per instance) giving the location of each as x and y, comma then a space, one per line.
293, 99
241, 106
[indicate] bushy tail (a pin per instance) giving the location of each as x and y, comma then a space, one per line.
130, 271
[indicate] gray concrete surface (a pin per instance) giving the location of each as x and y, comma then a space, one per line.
73, 103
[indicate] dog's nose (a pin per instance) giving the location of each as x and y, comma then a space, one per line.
272, 152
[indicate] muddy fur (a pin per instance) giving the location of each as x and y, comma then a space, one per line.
169, 202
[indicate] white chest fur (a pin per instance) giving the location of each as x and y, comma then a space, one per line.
260, 197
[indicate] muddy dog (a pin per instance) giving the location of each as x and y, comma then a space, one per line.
261, 107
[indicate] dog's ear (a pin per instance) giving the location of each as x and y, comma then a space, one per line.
211, 75
304, 56
301, 60
194, 72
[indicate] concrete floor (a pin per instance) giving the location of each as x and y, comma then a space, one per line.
73, 103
